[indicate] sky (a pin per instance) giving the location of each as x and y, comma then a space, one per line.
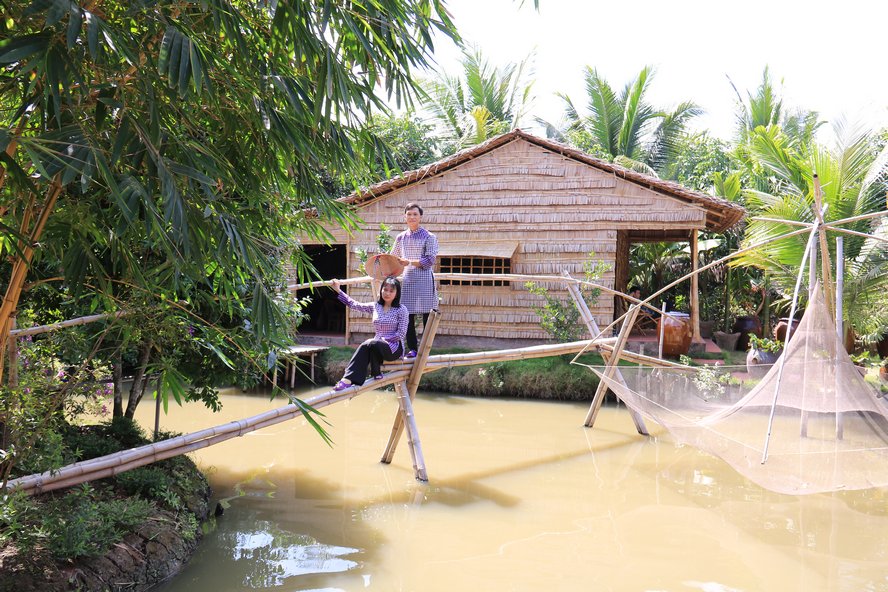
823, 56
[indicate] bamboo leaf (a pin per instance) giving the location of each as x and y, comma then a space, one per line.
20, 48
75, 22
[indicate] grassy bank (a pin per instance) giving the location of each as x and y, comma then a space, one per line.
85, 537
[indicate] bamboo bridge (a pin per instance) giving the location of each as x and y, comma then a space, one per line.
405, 375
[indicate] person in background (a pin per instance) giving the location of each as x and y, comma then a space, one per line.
417, 248
390, 323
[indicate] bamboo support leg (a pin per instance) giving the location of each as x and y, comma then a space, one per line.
611, 366
594, 331
408, 420
419, 362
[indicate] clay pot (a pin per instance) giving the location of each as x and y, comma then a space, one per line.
677, 333
726, 341
780, 329
882, 347
758, 362
744, 326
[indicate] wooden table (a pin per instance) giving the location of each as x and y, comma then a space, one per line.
289, 356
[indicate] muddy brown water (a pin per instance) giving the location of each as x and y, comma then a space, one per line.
521, 497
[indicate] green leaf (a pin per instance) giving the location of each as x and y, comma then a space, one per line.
20, 48
75, 21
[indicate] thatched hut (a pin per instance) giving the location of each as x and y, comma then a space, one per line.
515, 204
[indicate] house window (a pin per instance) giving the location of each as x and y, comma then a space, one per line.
477, 266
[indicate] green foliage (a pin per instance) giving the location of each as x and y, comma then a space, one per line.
410, 142
85, 525
384, 243
552, 378
560, 317
86, 520
35, 411
764, 344
698, 160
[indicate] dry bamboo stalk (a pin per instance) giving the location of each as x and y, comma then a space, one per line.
611, 366
328, 283
61, 325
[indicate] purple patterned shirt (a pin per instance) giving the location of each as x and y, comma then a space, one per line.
418, 292
390, 325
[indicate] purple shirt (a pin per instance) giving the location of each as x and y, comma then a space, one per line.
390, 325
418, 292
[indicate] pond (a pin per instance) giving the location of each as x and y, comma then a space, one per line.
520, 497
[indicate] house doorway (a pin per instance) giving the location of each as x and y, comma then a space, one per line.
326, 315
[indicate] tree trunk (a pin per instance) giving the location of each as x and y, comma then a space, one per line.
22, 262
137, 389
118, 385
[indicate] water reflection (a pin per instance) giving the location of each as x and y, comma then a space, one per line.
521, 497
275, 556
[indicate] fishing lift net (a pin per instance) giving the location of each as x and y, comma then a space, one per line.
810, 424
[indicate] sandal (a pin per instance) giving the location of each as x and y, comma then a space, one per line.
378, 377
342, 385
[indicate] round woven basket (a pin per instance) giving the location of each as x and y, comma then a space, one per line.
382, 266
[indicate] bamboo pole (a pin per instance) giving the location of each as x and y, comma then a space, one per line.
419, 365
36, 330
587, 317
408, 420
611, 366
695, 287
100, 467
825, 267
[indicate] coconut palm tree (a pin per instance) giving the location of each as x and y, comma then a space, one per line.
852, 175
480, 102
624, 127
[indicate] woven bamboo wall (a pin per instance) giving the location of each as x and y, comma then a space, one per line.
557, 209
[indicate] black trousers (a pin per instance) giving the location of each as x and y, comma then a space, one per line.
372, 352
412, 341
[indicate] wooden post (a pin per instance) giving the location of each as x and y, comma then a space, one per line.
611, 365
587, 317
695, 287
412, 383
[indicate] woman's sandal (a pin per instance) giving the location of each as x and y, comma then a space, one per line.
342, 385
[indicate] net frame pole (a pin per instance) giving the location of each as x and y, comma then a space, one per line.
792, 311
840, 322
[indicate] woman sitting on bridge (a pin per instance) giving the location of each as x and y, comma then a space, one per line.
389, 320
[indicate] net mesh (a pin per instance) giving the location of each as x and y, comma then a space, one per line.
810, 424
